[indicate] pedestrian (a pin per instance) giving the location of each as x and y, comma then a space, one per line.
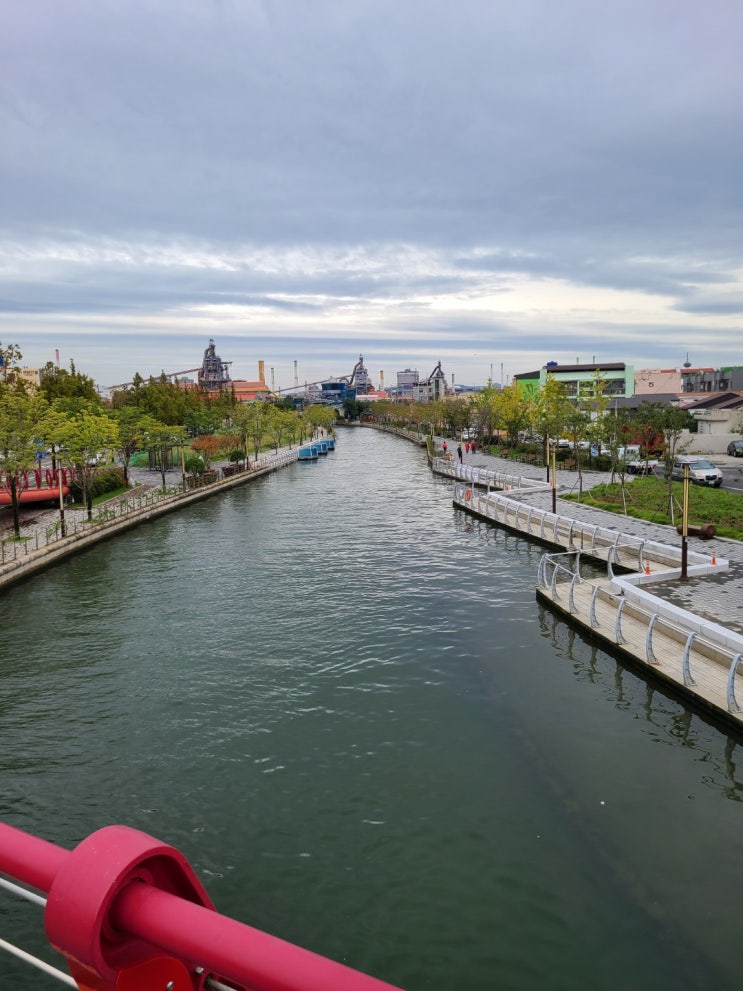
473, 447
444, 448
467, 447
459, 452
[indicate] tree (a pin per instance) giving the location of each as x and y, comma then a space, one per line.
281, 424
59, 384
485, 413
208, 447
512, 410
10, 356
550, 413
133, 427
21, 426
80, 437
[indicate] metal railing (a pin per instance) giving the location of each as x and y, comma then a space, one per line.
488, 477
563, 569
127, 911
610, 545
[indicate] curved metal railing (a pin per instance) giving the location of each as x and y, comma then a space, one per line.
560, 569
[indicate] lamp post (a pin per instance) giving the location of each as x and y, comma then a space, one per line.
684, 576
554, 477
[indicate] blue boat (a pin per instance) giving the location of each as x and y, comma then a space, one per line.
308, 453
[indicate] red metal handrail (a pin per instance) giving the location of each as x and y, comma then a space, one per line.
128, 912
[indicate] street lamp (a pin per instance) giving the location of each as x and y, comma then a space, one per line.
684, 576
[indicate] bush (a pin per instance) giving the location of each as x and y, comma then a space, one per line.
105, 480
195, 466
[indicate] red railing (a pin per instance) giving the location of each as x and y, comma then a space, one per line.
129, 914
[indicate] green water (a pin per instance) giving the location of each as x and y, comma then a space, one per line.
339, 698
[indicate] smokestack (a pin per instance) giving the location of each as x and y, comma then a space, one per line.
296, 376
262, 372
273, 384
381, 380
56, 356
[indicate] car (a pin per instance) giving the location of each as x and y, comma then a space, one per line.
701, 471
641, 467
629, 453
735, 447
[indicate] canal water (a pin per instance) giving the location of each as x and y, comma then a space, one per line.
338, 696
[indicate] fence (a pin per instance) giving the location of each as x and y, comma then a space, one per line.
705, 667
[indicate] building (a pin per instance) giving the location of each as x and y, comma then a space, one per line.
618, 378
700, 381
655, 382
433, 388
249, 392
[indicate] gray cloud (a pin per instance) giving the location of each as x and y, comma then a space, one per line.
380, 163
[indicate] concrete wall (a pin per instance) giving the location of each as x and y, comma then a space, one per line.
706, 443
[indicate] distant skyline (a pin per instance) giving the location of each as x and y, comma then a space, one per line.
477, 183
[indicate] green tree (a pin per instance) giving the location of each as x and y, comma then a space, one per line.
59, 384
550, 413
10, 358
512, 411
22, 420
133, 426
80, 437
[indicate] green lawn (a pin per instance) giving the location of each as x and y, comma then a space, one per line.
647, 499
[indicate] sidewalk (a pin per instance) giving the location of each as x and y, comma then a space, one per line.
718, 598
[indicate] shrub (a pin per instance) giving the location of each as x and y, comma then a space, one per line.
105, 480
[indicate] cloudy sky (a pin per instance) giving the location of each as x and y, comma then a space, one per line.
484, 183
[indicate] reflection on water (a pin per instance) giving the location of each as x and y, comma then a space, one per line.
338, 696
672, 720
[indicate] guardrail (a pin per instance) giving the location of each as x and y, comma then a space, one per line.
129, 914
504, 480
680, 639
613, 546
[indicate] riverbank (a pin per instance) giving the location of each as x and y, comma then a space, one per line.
43, 543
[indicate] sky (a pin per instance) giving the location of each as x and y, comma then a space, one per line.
488, 184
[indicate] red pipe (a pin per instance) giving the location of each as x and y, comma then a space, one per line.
121, 898
233, 950
28, 859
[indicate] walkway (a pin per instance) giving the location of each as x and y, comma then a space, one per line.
717, 597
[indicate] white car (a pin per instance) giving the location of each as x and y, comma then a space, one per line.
701, 471
641, 467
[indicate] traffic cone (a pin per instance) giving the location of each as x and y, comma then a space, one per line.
647, 568
714, 559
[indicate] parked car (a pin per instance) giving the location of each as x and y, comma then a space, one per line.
735, 447
641, 467
701, 471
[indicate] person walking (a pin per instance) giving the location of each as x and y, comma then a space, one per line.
443, 446
467, 448
459, 452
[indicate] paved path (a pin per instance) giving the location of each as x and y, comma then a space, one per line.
718, 598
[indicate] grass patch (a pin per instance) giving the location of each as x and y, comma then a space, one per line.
647, 499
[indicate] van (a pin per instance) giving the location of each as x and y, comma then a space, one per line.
701, 471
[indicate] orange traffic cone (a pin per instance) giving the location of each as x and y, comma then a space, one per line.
714, 559
647, 568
